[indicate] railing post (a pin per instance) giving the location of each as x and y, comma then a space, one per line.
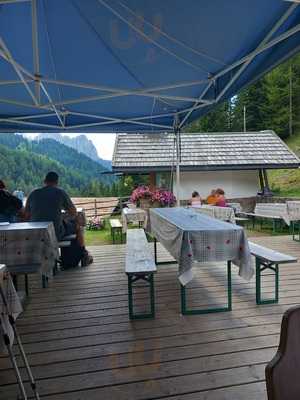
95, 207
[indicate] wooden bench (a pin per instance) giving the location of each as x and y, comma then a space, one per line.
116, 228
268, 259
139, 265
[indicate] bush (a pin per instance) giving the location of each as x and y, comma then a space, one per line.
95, 224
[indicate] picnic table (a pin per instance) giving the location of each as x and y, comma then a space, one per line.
134, 215
293, 209
191, 236
222, 213
28, 243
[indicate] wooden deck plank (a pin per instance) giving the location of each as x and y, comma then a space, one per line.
83, 347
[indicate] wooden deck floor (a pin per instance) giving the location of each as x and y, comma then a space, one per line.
83, 347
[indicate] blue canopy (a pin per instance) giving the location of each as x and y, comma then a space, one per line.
133, 65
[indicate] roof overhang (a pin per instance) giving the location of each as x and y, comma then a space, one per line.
145, 170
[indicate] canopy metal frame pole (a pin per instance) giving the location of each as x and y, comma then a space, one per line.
153, 92
178, 157
245, 61
35, 48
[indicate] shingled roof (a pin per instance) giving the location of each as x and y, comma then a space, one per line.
202, 151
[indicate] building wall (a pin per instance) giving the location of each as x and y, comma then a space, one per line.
236, 184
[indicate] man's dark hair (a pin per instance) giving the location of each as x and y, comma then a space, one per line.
195, 194
51, 177
2, 185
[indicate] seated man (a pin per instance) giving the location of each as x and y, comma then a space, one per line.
47, 203
10, 206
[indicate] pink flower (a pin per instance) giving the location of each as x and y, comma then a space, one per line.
161, 196
142, 192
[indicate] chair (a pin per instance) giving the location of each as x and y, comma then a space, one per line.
282, 372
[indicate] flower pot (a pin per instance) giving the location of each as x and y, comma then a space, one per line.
156, 204
145, 204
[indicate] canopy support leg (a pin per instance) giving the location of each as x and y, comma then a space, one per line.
176, 127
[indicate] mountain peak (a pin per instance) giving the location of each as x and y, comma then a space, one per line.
80, 143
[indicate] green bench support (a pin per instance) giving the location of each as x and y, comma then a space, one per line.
268, 259
261, 266
228, 307
131, 280
295, 227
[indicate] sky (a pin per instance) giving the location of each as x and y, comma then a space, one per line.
104, 143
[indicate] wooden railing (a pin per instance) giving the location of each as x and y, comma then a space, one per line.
100, 206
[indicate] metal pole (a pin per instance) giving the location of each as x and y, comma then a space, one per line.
245, 128
177, 138
177, 169
290, 101
261, 180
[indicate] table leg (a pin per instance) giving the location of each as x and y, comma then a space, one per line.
228, 307
155, 256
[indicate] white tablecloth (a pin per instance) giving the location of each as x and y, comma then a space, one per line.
293, 209
191, 236
222, 213
29, 243
14, 306
134, 215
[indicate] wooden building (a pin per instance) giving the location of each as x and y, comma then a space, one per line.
237, 162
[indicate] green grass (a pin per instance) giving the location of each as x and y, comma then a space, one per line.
98, 238
286, 182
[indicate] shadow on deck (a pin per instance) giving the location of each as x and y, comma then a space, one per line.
83, 347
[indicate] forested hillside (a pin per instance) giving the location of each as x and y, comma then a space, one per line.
24, 163
273, 102
67, 156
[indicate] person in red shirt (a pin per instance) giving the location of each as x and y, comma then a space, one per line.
221, 200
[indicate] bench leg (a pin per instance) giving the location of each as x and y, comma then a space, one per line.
112, 234
15, 281
55, 268
132, 279
274, 226
295, 226
186, 311
26, 285
260, 267
120, 234
44, 281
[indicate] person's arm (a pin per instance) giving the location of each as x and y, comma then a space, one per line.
27, 209
68, 205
